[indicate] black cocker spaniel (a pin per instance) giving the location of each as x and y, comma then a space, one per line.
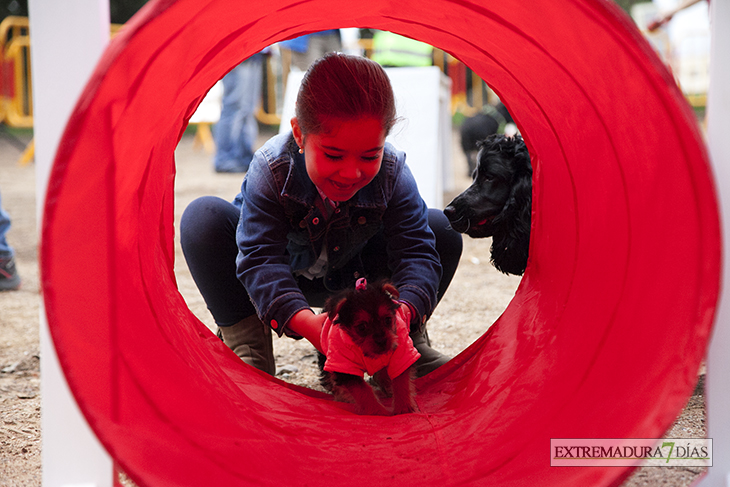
498, 203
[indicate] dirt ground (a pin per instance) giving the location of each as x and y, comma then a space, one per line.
475, 299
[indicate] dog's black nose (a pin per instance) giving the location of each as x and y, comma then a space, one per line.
450, 212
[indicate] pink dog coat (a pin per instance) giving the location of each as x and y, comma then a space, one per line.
343, 355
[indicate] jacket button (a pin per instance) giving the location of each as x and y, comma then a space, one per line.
315, 221
362, 220
302, 224
336, 249
274, 324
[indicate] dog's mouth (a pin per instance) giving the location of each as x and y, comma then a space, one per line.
479, 227
482, 228
466, 221
467, 225
483, 222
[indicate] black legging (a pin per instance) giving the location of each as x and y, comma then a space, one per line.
208, 240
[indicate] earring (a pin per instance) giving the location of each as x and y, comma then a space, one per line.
301, 151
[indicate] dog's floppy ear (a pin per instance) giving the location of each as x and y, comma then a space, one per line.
520, 197
510, 245
332, 307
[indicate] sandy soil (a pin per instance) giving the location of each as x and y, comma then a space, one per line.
476, 298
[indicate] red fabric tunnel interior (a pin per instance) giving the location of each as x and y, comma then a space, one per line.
603, 338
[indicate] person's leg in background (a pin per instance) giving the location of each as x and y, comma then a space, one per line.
9, 278
236, 131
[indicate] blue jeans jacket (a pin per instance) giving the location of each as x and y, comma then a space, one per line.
282, 230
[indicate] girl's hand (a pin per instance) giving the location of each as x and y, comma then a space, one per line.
308, 325
407, 311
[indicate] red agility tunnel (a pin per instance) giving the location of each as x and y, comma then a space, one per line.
603, 338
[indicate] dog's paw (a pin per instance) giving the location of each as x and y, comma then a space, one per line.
404, 405
371, 410
404, 409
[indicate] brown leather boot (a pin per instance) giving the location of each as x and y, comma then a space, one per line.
250, 339
430, 359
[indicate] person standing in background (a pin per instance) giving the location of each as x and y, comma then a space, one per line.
9, 278
236, 132
393, 50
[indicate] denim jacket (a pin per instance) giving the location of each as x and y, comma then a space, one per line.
282, 230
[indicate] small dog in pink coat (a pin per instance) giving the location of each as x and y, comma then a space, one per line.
367, 330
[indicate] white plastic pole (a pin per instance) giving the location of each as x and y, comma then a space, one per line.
718, 359
67, 39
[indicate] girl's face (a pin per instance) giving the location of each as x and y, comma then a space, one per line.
345, 157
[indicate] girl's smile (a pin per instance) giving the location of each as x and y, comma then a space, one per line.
345, 157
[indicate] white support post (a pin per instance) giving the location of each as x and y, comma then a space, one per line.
718, 360
67, 39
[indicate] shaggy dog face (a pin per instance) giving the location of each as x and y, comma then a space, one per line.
498, 203
368, 317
